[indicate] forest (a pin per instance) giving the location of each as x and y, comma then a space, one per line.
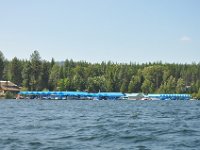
37, 74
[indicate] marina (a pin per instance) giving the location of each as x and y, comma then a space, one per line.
74, 95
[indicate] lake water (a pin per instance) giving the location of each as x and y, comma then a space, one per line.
99, 125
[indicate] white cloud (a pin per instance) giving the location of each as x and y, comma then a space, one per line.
185, 39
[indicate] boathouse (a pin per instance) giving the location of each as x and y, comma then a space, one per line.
7, 86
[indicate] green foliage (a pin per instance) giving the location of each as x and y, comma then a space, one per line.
134, 85
154, 74
9, 95
96, 84
169, 86
54, 76
2, 65
44, 76
7, 71
35, 61
198, 94
26, 75
147, 86
16, 71
63, 84
180, 87
37, 74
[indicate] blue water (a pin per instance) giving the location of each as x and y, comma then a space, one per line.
99, 125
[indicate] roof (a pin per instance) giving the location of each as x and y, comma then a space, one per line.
154, 95
134, 94
8, 86
72, 93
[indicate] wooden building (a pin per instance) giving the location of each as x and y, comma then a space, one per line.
7, 86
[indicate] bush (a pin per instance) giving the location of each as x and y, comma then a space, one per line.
9, 95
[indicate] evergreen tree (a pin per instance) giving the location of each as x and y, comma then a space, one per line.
2, 65
7, 71
16, 71
54, 77
26, 74
44, 77
36, 74
180, 87
35, 60
134, 85
147, 87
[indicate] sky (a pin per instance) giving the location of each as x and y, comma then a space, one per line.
121, 31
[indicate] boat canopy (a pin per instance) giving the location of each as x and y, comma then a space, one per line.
71, 93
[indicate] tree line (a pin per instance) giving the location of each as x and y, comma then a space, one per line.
37, 74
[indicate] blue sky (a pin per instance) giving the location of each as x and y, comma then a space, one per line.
102, 30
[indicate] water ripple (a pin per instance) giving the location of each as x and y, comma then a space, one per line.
88, 125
